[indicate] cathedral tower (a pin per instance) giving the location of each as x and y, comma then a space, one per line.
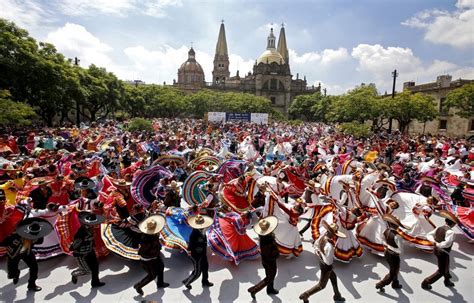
221, 73
282, 48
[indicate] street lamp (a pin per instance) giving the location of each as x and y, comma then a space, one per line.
78, 116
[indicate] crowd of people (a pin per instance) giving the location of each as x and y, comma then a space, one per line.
191, 185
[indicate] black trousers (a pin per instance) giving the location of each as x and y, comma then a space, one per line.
88, 264
30, 260
443, 269
306, 226
201, 266
327, 273
154, 268
270, 274
393, 261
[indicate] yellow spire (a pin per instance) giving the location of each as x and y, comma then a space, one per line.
282, 48
221, 47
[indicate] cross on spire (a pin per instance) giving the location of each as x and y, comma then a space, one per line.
222, 21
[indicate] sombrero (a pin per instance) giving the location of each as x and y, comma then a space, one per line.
210, 168
89, 218
384, 167
429, 179
152, 225
333, 229
200, 221
84, 183
266, 225
121, 183
449, 215
175, 185
33, 228
394, 220
40, 181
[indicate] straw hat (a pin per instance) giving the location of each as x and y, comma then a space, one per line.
121, 182
333, 229
266, 225
33, 228
88, 218
199, 221
383, 166
210, 168
40, 181
152, 225
394, 220
175, 185
449, 215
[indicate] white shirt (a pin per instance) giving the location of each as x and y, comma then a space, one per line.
327, 254
448, 239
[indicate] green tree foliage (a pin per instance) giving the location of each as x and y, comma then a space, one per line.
140, 124
406, 107
359, 104
355, 129
462, 98
15, 113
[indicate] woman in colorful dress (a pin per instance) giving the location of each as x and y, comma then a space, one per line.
228, 238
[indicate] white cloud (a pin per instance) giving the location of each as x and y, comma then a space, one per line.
451, 28
74, 40
376, 63
334, 55
27, 13
121, 8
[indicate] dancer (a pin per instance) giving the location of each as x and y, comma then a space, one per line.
324, 248
443, 237
198, 249
392, 246
20, 247
83, 248
269, 252
149, 252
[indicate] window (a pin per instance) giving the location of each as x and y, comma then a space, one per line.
273, 99
273, 84
471, 125
443, 109
443, 124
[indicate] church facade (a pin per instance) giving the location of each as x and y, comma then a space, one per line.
271, 76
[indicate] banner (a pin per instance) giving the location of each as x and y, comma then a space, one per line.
245, 117
220, 117
259, 118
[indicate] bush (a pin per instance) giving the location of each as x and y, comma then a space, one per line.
140, 124
122, 116
355, 129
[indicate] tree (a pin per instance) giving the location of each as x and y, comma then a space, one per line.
406, 107
302, 106
462, 98
140, 124
14, 113
358, 104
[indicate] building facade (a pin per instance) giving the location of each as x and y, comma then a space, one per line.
447, 123
271, 76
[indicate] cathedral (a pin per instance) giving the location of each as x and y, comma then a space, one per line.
271, 76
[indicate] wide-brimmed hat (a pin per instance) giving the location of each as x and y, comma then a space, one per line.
429, 179
89, 218
394, 220
199, 221
84, 183
383, 166
210, 168
33, 228
312, 184
152, 225
266, 225
449, 215
121, 183
40, 181
333, 229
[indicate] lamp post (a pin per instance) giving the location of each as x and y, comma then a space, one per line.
394, 75
78, 116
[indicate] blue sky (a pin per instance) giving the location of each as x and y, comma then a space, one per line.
339, 43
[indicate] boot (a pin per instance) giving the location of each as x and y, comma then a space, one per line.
163, 285
426, 286
448, 283
207, 283
97, 284
339, 298
138, 289
34, 287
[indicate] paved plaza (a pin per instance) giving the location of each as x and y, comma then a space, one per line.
356, 279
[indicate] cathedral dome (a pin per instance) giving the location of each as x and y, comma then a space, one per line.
191, 65
269, 56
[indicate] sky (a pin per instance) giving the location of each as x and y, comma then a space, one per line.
338, 43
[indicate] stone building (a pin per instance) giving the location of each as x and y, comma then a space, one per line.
448, 122
191, 74
271, 76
